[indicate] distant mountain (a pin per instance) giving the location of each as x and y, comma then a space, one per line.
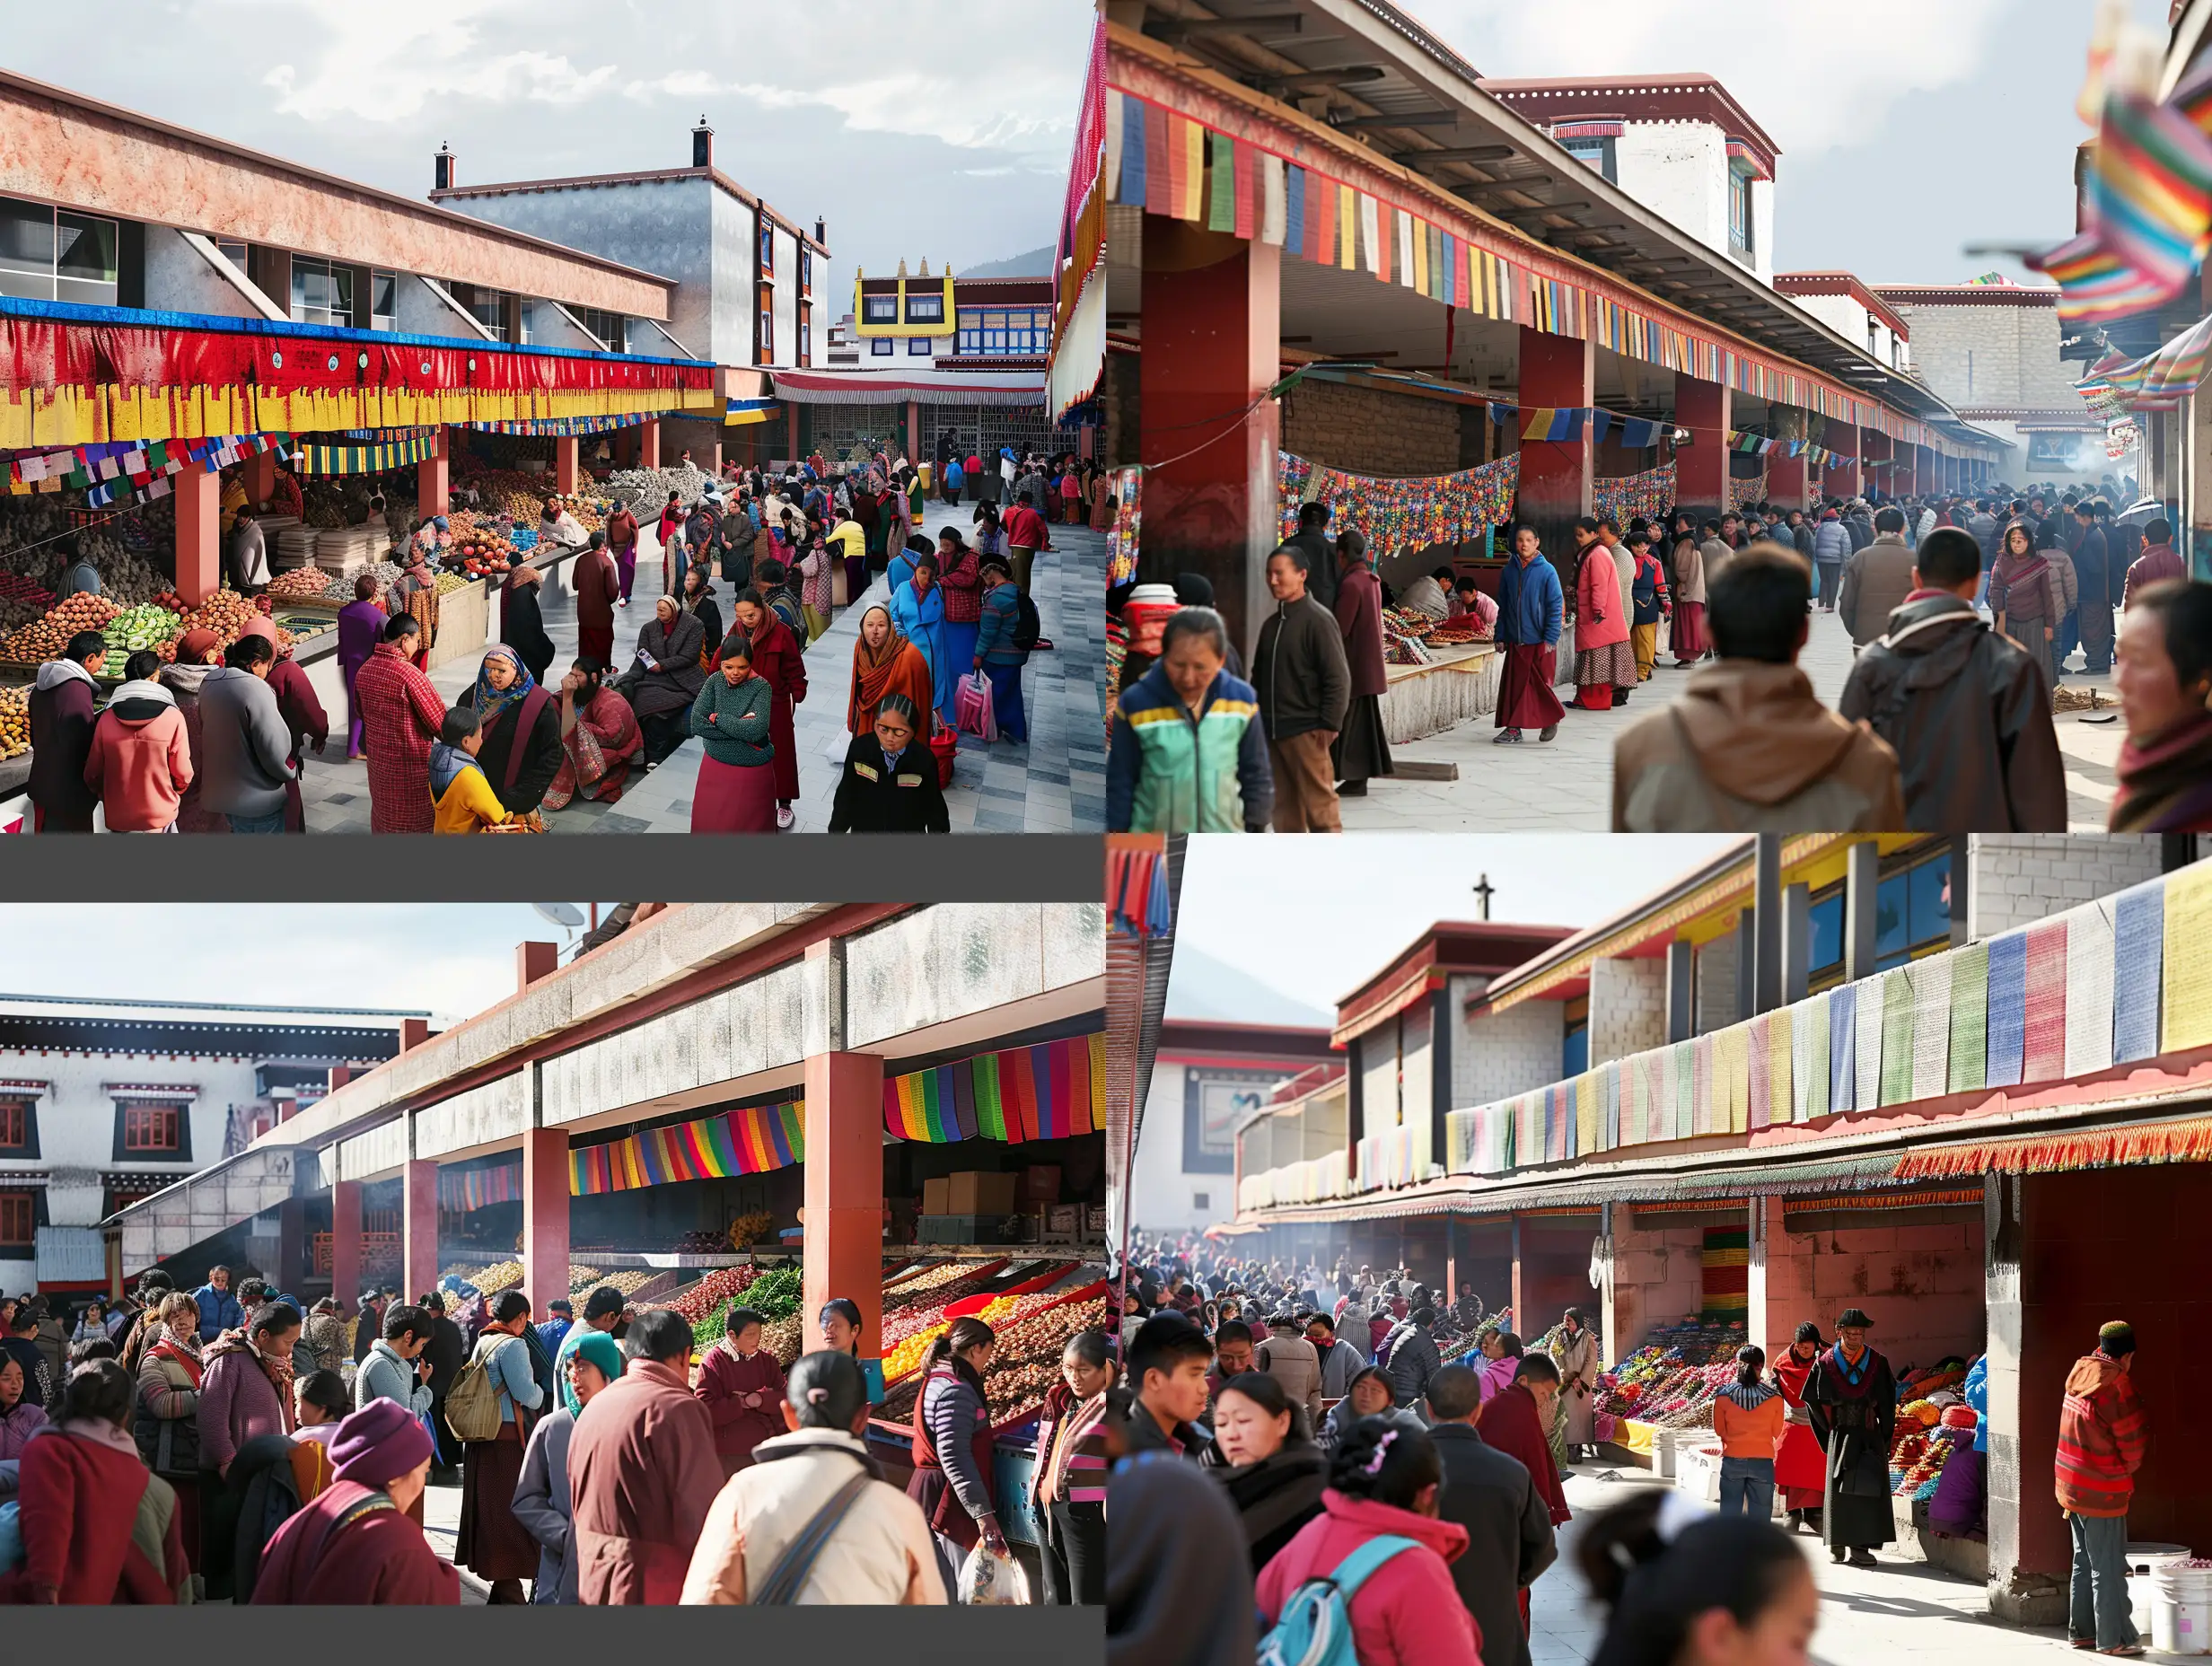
1036, 263
1203, 989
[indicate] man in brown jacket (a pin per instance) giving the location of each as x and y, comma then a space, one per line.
1876, 580
643, 1471
1747, 747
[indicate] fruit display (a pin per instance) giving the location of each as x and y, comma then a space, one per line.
999, 1313
23, 601
1671, 1380
145, 627
45, 639
751, 1228
581, 1279
307, 583
448, 583
710, 1294
1026, 1363
919, 1305
340, 590
479, 547
226, 613
14, 721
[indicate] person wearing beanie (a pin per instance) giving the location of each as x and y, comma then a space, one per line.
355, 1544
2101, 1435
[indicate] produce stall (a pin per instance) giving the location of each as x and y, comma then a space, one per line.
1439, 675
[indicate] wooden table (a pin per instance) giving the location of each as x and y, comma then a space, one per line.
1425, 700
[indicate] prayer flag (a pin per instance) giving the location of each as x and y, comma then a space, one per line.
1274, 213
1221, 198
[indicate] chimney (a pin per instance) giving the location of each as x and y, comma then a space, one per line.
533, 960
413, 1033
445, 164
702, 145
821, 232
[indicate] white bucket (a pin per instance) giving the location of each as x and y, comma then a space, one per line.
2182, 1609
1697, 1467
2145, 1561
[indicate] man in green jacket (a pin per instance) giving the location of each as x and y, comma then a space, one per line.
1187, 754
1305, 686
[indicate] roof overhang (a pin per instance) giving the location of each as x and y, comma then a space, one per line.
1012, 387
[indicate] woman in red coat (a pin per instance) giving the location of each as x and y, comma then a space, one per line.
741, 1386
97, 1530
1800, 1466
777, 657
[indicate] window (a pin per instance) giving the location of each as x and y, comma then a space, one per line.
14, 1125
52, 255
1739, 212
879, 309
768, 335
806, 335
123, 1196
806, 270
880, 347
926, 309
322, 294
1201, 1200
1575, 1050
18, 1218
150, 1127
611, 328
1824, 953
529, 321
383, 299
234, 250
767, 250
488, 307
1597, 153
1873, 339
1912, 911
919, 346
970, 330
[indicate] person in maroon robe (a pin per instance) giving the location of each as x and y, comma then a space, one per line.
1518, 1422
356, 1543
597, 586
1361, 750
741, 1385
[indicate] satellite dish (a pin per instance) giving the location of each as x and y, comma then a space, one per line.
562, 914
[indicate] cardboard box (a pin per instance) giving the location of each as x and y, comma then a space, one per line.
1094, 1221
937, 1195
978, 1193
1040, 1183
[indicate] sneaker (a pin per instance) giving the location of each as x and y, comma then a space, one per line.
1551, 731
783, 817
1861, 1558
1506, 737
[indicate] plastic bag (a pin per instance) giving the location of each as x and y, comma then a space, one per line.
972, 710
989, 1580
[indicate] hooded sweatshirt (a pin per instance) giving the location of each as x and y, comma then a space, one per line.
141, 759
61, 737
1748, 748
2101, 1438
464, 799
246, 760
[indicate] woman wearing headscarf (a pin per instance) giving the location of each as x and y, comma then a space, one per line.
522, 623
734, 717
885, 663
542, 1503
416, 591
359, 623
779, 662
817, 584
665, 678
522, 730
918, 610
599, 739
1577, 1360
597, 582
303, 714
698, 598
199, 653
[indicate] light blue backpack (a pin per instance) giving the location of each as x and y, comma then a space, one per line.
1315, 1626
11, 1537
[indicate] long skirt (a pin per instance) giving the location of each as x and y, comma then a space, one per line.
1006, 700
596, 642
960, 645
1601, 670
1857, 1520
1362, 751
1524, 695
490, 1540
2028, 634
783, 735
734, 798
1689, 644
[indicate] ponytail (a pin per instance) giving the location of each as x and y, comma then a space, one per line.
1657, 1576
953, 1341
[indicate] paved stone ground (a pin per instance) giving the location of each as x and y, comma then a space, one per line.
1567, 785
1055, 783
1901, 1607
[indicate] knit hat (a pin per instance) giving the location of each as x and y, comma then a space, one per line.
194, 647
2116, 1339
379, 1443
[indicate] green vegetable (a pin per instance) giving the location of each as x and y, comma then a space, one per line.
774, 1295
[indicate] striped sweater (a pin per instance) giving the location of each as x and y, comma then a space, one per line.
2101, 1438
1071, 1451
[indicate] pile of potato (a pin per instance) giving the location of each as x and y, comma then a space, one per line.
14, 721
45, 639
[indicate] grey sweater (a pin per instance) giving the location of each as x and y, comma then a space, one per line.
542, 1506
245, 757
385, 1376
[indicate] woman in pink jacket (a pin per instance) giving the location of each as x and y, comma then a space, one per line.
1408, 1612
1603, 659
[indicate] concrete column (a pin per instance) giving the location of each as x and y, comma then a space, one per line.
843, 1252
564, 467
1861, 876
261, 471
112, 1245
1766, 925
1559, 373
544, 1215
199, 534
1701, 467
1797, 943
1213, 316
433, 495
346, 1241
419, 1226
649, 442
1841, 479
1755, 1318
1681, 992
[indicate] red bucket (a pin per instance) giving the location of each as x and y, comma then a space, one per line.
1147, 613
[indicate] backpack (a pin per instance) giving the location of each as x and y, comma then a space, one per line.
472, 1403
1315, 1626
1027, 627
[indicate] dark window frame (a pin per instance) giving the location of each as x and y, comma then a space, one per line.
26, 1148
1606, 161
26, 1199
127, 1152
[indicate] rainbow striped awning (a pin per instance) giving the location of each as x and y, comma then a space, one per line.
1050, 1092
751, 1141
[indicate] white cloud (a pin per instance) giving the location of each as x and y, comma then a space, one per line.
1813, 77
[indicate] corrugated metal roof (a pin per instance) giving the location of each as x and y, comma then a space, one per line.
71, 1255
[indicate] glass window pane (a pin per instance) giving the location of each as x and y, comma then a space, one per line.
1827, 945
1931, 899
384, 292
995, 320
85, 248
1892, 935
1891, 962
1575, 1055
26, 251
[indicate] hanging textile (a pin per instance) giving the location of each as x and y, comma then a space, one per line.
1052, 1091
479, 1188
364, 459
751, 1141
1137, 891
1393, 515
1623, 498
1724, 1268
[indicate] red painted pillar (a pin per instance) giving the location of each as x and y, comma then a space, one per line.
914, 430
260, 477
649, 442
844, 1251
1557, 371
346, 1241
1841, 479
1701, 467
1212, 319
199, 534
418, 1214
545, 1216
1785, 481
431, 496
565, 469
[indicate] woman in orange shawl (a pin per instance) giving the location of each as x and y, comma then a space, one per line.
885, 663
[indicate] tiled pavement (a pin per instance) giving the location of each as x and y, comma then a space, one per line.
1055, 783
1568, 785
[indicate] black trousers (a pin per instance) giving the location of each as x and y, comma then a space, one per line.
1074, 1554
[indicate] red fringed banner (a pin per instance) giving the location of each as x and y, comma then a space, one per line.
2188, 1140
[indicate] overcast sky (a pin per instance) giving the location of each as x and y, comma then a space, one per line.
1314, 926
1908, 129
451, 960
916, 130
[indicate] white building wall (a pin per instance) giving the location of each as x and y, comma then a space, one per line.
1628, 1008
2016, 878
1502, 1054
1678, 170
1165, 1195
786, 299
1762, 233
